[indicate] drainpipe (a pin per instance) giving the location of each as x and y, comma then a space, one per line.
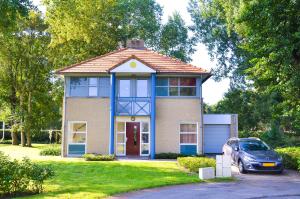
153, 115
112, 113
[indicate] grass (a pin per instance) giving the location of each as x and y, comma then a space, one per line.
76, 178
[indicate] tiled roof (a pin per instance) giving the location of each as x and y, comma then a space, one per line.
158, 62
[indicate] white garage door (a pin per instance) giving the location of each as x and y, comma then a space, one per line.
215, 137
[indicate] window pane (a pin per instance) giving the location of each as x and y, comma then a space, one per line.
93, 91
120, 137
187, 81
145, 138
120, 149
79, 91
124, 88
92, 81
188, 138
188, 91
104, 87
79, 127
173, 81
188, 128
145, 127
145, 149
121, 126
79, 81
161, 91
173, 91
162, 82
142, 88
77, 137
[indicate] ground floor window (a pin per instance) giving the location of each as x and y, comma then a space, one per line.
188, 138
121, 138
145, 138
77, 134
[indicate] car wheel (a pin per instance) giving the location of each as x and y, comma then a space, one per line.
241, 167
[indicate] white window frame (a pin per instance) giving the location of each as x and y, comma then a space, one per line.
148, 132
177, 86
70, 132
125, 139
197, 132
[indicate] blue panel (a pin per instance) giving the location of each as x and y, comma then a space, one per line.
162, 91
76, 149
153, 115
104, 87
162, 81
188, 149
112, 113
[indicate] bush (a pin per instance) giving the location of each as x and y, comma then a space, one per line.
53, 150
98, 157
291, 157
21, 177
194, 163
173, 155
5, 142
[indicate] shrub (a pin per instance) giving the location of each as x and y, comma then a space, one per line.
194, 163
173, 155
21, 177
98, 157
291, 157
5, 142
53, 150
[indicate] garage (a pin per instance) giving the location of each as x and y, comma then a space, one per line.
215, 137
218, 128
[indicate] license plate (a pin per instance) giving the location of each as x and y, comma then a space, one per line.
269, 164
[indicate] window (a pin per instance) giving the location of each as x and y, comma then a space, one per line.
124, 88
77, 138
145, 139
89, 86
142, 88
188, 138
183, 86
121, 138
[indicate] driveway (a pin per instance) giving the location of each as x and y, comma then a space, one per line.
286, 185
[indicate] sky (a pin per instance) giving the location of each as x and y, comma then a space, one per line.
212, 91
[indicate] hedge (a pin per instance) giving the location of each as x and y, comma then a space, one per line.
21, 177
194, 163
291, 157
173, 155
53, 150
98, 157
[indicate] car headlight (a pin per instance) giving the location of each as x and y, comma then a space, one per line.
249, 159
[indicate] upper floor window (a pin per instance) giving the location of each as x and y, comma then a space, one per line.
89, 86
176, 86
133, 88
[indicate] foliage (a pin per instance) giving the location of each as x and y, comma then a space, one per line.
53, 150
172, 155
194, 163
291, 157
17, 177
99, 157
257, 45
174, 39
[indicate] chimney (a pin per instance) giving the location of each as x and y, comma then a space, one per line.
135, 43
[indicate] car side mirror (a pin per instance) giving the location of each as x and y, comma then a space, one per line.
236, 148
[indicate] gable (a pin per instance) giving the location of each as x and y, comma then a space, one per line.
132, 66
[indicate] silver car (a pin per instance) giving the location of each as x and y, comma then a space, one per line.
252, 154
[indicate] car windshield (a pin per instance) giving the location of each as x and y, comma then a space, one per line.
254, 145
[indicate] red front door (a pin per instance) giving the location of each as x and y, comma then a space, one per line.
133, 138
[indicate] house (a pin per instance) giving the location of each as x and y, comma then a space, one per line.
133, 102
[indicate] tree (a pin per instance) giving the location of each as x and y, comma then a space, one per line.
174, 39
256, 41
84, 29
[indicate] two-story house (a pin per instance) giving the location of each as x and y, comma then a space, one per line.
133, 102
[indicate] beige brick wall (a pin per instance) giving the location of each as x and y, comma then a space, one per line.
169, 114
95, 111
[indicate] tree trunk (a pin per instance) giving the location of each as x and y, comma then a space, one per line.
23, 141
14, 137
29, 120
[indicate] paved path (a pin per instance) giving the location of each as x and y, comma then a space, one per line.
248, 186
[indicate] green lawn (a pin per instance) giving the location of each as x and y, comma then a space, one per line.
76, 178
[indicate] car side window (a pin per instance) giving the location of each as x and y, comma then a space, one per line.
233, 144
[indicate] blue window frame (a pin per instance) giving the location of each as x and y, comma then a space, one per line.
89, 87
176, 86
188, 138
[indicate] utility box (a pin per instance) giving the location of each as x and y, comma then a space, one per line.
206, 173
223, 166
